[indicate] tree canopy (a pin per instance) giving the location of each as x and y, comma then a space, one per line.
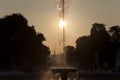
97, 50
20, 45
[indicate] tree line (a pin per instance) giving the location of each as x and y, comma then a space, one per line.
21, 47
97, 50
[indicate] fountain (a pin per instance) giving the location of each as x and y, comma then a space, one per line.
64, 70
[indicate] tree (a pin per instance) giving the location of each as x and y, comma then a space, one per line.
99, 35
101, 41
70, 55
84, 52
115, 33
20, 45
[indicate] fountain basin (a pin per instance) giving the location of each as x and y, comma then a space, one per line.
63, 71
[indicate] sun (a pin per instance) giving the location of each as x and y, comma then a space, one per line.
62, 23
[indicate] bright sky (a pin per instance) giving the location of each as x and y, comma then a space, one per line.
80, 15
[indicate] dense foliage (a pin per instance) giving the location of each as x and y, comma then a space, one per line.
20, 46
97, 50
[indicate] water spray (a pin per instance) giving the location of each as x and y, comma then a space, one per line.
61, 9
63, 71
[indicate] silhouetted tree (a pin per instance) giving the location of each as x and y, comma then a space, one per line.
84, 52
20, 46
115, 41
97, 50
101, 41
115, 33
70, 55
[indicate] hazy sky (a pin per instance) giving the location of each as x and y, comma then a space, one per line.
80, 15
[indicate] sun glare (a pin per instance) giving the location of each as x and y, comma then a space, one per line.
62, 23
